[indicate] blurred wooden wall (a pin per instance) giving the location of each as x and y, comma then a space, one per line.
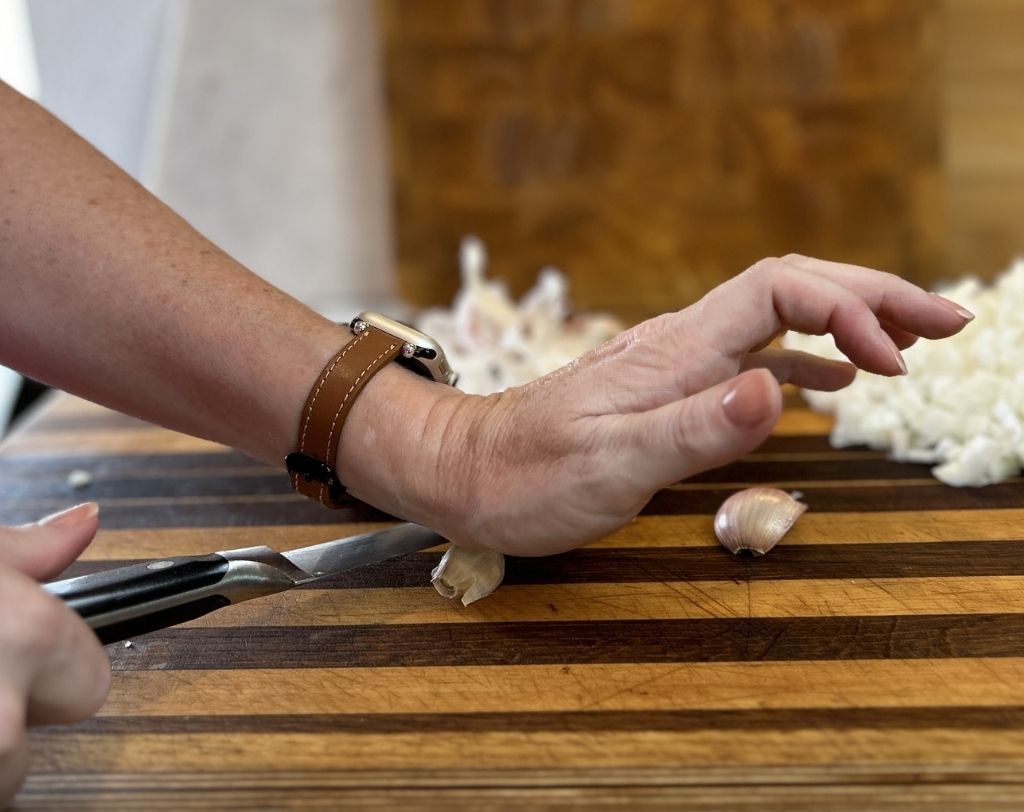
653, 148
983, 129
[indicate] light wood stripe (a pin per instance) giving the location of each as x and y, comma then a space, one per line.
451, 753
128, 441
644, 531
134, 439
474, 689
633, 601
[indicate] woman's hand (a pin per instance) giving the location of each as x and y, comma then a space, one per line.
52, 667
577, 454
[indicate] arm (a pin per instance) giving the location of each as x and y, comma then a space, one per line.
107, 293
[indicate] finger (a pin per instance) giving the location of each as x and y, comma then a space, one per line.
803, 369
708, 429
901, 338
13, 744
893, 299
44, 549
773, 294
49, 652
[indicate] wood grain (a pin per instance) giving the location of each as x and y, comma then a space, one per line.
875, 657
652, 154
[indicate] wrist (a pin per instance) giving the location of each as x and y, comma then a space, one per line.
402, 446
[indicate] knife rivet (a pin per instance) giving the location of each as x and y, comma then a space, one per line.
159, 565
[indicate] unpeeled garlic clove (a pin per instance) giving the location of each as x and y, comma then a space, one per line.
468, 574
756, 519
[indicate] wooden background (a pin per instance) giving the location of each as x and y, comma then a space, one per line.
653, 148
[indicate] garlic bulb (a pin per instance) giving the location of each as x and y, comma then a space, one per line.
756, 519
468, 574
494, 342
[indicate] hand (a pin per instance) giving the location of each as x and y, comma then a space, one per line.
577, 454
52, 667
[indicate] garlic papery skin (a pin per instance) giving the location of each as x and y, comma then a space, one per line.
468, 574
756, 519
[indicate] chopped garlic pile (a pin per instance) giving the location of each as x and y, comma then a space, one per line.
962, 404
494, 343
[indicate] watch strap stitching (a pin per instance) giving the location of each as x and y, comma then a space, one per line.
332, 441
320, 384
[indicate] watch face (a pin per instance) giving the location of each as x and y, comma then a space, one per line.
427, 358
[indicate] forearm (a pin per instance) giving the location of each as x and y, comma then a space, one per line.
105, 292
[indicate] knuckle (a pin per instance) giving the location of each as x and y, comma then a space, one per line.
794, 258
764, 267
687, 431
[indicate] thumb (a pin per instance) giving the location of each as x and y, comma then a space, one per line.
710, 428
44, 549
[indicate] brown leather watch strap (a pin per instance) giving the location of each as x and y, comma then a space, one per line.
323, 417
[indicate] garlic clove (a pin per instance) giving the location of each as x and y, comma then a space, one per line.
756, 519
468, 574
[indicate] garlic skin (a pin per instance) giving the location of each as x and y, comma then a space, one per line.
494, 342
756, 519
468, 574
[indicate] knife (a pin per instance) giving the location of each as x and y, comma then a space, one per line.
140, 598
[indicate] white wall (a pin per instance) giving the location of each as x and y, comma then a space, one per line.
18, 69
98, 69
260, 121
276, 144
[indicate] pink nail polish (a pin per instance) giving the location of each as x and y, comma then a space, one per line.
962, 312
897, 356
741, 403
71, 516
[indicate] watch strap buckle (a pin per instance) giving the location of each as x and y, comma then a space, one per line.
311, 469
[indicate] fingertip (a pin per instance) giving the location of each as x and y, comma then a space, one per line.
72, 516
965, 315
44, 549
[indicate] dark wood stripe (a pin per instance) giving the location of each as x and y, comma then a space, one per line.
667, 564
240, 511
674, 721
231, 475
577, 642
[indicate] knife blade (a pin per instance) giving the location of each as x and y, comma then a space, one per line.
140, 598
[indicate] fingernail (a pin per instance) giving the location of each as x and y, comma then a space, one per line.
962, 312
901, 362
896, 354
73, 515
741, 403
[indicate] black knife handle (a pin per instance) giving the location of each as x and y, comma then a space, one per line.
142, 598
160, 619
153, 595
139, 584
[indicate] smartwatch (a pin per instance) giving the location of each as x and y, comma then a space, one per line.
377, 341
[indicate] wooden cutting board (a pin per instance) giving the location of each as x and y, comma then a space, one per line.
875, 657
